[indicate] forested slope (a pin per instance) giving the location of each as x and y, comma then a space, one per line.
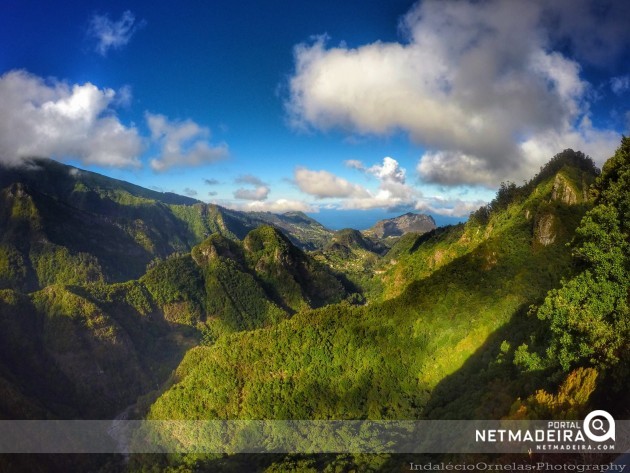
384, 360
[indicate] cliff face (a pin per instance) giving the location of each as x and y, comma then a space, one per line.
563, 191
569, 188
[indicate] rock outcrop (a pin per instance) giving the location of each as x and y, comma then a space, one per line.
563, 191
544, 230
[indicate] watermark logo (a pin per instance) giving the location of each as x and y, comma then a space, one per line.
595, 428
596, 432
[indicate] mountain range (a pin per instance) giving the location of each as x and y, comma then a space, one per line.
66, 225
114, 296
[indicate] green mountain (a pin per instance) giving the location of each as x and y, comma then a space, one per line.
354, 255
521, 312
302, 230
449, 293
294, 278
62, 225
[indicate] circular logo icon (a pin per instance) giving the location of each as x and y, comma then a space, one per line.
595, 428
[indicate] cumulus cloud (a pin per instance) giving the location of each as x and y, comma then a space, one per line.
392, 181
392, 191
190, 192
211, 182
259, 192
123, 97
324, 184
388, 171
477, 84
182, 143
51, 118
212, 193
110, 34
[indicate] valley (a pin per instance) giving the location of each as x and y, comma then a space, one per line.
113, 295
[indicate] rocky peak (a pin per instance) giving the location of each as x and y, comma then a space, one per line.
409, 222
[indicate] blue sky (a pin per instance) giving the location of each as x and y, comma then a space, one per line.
350, 110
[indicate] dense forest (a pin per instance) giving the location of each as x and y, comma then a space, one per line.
519, 313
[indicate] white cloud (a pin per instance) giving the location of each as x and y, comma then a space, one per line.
475, 83
324, 184
55, 119
354, 164
620, 84
182, 143
388, 171
190, 192
124, 97
258, 193
275, 206
111, 34
392, 191
51, 118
